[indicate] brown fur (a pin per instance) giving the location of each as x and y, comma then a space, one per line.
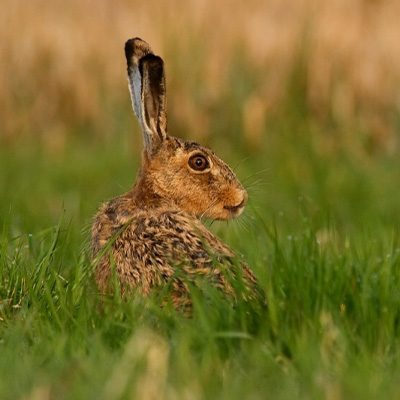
154, 230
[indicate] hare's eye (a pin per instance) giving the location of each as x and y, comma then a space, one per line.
198, 162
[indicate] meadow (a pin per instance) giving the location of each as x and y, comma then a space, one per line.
315, 144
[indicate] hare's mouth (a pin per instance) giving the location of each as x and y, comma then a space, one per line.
235, 209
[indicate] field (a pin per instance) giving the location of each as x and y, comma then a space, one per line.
321, 231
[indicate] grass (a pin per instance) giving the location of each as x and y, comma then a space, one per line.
321, 233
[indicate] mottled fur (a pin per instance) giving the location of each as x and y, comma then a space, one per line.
153, 233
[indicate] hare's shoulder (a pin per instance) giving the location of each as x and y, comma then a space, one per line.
172, 232
162, 239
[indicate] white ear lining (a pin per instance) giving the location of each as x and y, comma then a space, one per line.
135, 88
137, 99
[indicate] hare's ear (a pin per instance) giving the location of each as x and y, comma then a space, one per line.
147, 87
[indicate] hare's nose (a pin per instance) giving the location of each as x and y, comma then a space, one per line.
237, 207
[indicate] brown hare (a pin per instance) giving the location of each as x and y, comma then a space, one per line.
152, 235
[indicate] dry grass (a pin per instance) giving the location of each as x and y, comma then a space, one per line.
62, 63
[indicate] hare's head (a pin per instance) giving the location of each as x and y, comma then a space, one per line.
185, 174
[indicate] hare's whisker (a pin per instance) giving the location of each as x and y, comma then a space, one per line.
263, 171
241, 161
212, 204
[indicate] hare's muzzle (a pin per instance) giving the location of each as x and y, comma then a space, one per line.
236, 210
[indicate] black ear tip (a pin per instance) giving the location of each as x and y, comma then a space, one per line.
136, 47
130, 46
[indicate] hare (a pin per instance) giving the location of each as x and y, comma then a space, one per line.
152, 235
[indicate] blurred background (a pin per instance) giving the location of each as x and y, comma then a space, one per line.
301, 96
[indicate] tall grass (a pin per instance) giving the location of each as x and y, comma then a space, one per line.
330, 330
